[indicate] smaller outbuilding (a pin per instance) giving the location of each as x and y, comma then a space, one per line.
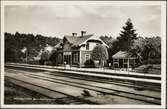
124, 59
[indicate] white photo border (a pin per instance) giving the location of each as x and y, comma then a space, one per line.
91, 3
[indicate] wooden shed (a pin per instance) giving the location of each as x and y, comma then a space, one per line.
124, 59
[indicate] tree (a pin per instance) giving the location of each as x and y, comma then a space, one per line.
46, 53
148, 49
89, 63
14, 43
44, 57
127, 36
137, 48
108, 40
113, 46
152, 50
100, 53
53, 57
31, 53
12, 55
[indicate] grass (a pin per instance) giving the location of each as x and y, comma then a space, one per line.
149, 68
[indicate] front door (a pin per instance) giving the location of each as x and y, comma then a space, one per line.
120, 63
67, 58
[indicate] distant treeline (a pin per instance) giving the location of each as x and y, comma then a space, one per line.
15, 43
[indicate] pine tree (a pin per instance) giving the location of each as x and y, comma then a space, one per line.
127, 36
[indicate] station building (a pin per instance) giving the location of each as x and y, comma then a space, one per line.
74, 50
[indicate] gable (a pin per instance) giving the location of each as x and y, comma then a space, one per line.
94, 39
77, 40
67, 47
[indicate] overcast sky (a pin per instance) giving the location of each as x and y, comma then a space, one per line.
99, 20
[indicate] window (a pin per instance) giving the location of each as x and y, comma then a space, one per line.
115, 60
125, 65
87, 46
125, 60
75, 58
116, 65
67, 59
131, 61
87, 56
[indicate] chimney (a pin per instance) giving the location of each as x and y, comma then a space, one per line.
74, 34
83, 33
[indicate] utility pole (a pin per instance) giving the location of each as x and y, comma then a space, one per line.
26, 56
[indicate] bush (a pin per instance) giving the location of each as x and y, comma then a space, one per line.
99, 53
152, 61
149, 68
89, 64
41, 62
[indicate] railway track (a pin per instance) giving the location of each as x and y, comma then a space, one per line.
65, 99
131, 84
109, 91
135, 85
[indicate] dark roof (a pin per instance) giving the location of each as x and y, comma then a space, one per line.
77, 40
122, 54
57, 46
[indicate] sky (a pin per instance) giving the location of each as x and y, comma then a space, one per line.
60, 20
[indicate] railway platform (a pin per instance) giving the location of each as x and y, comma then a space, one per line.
104, 73
97, 70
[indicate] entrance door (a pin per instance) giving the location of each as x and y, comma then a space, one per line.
67, 59
120, 63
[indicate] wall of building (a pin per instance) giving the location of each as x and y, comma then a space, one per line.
75, 57
67, 47
82, 57
91, 46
